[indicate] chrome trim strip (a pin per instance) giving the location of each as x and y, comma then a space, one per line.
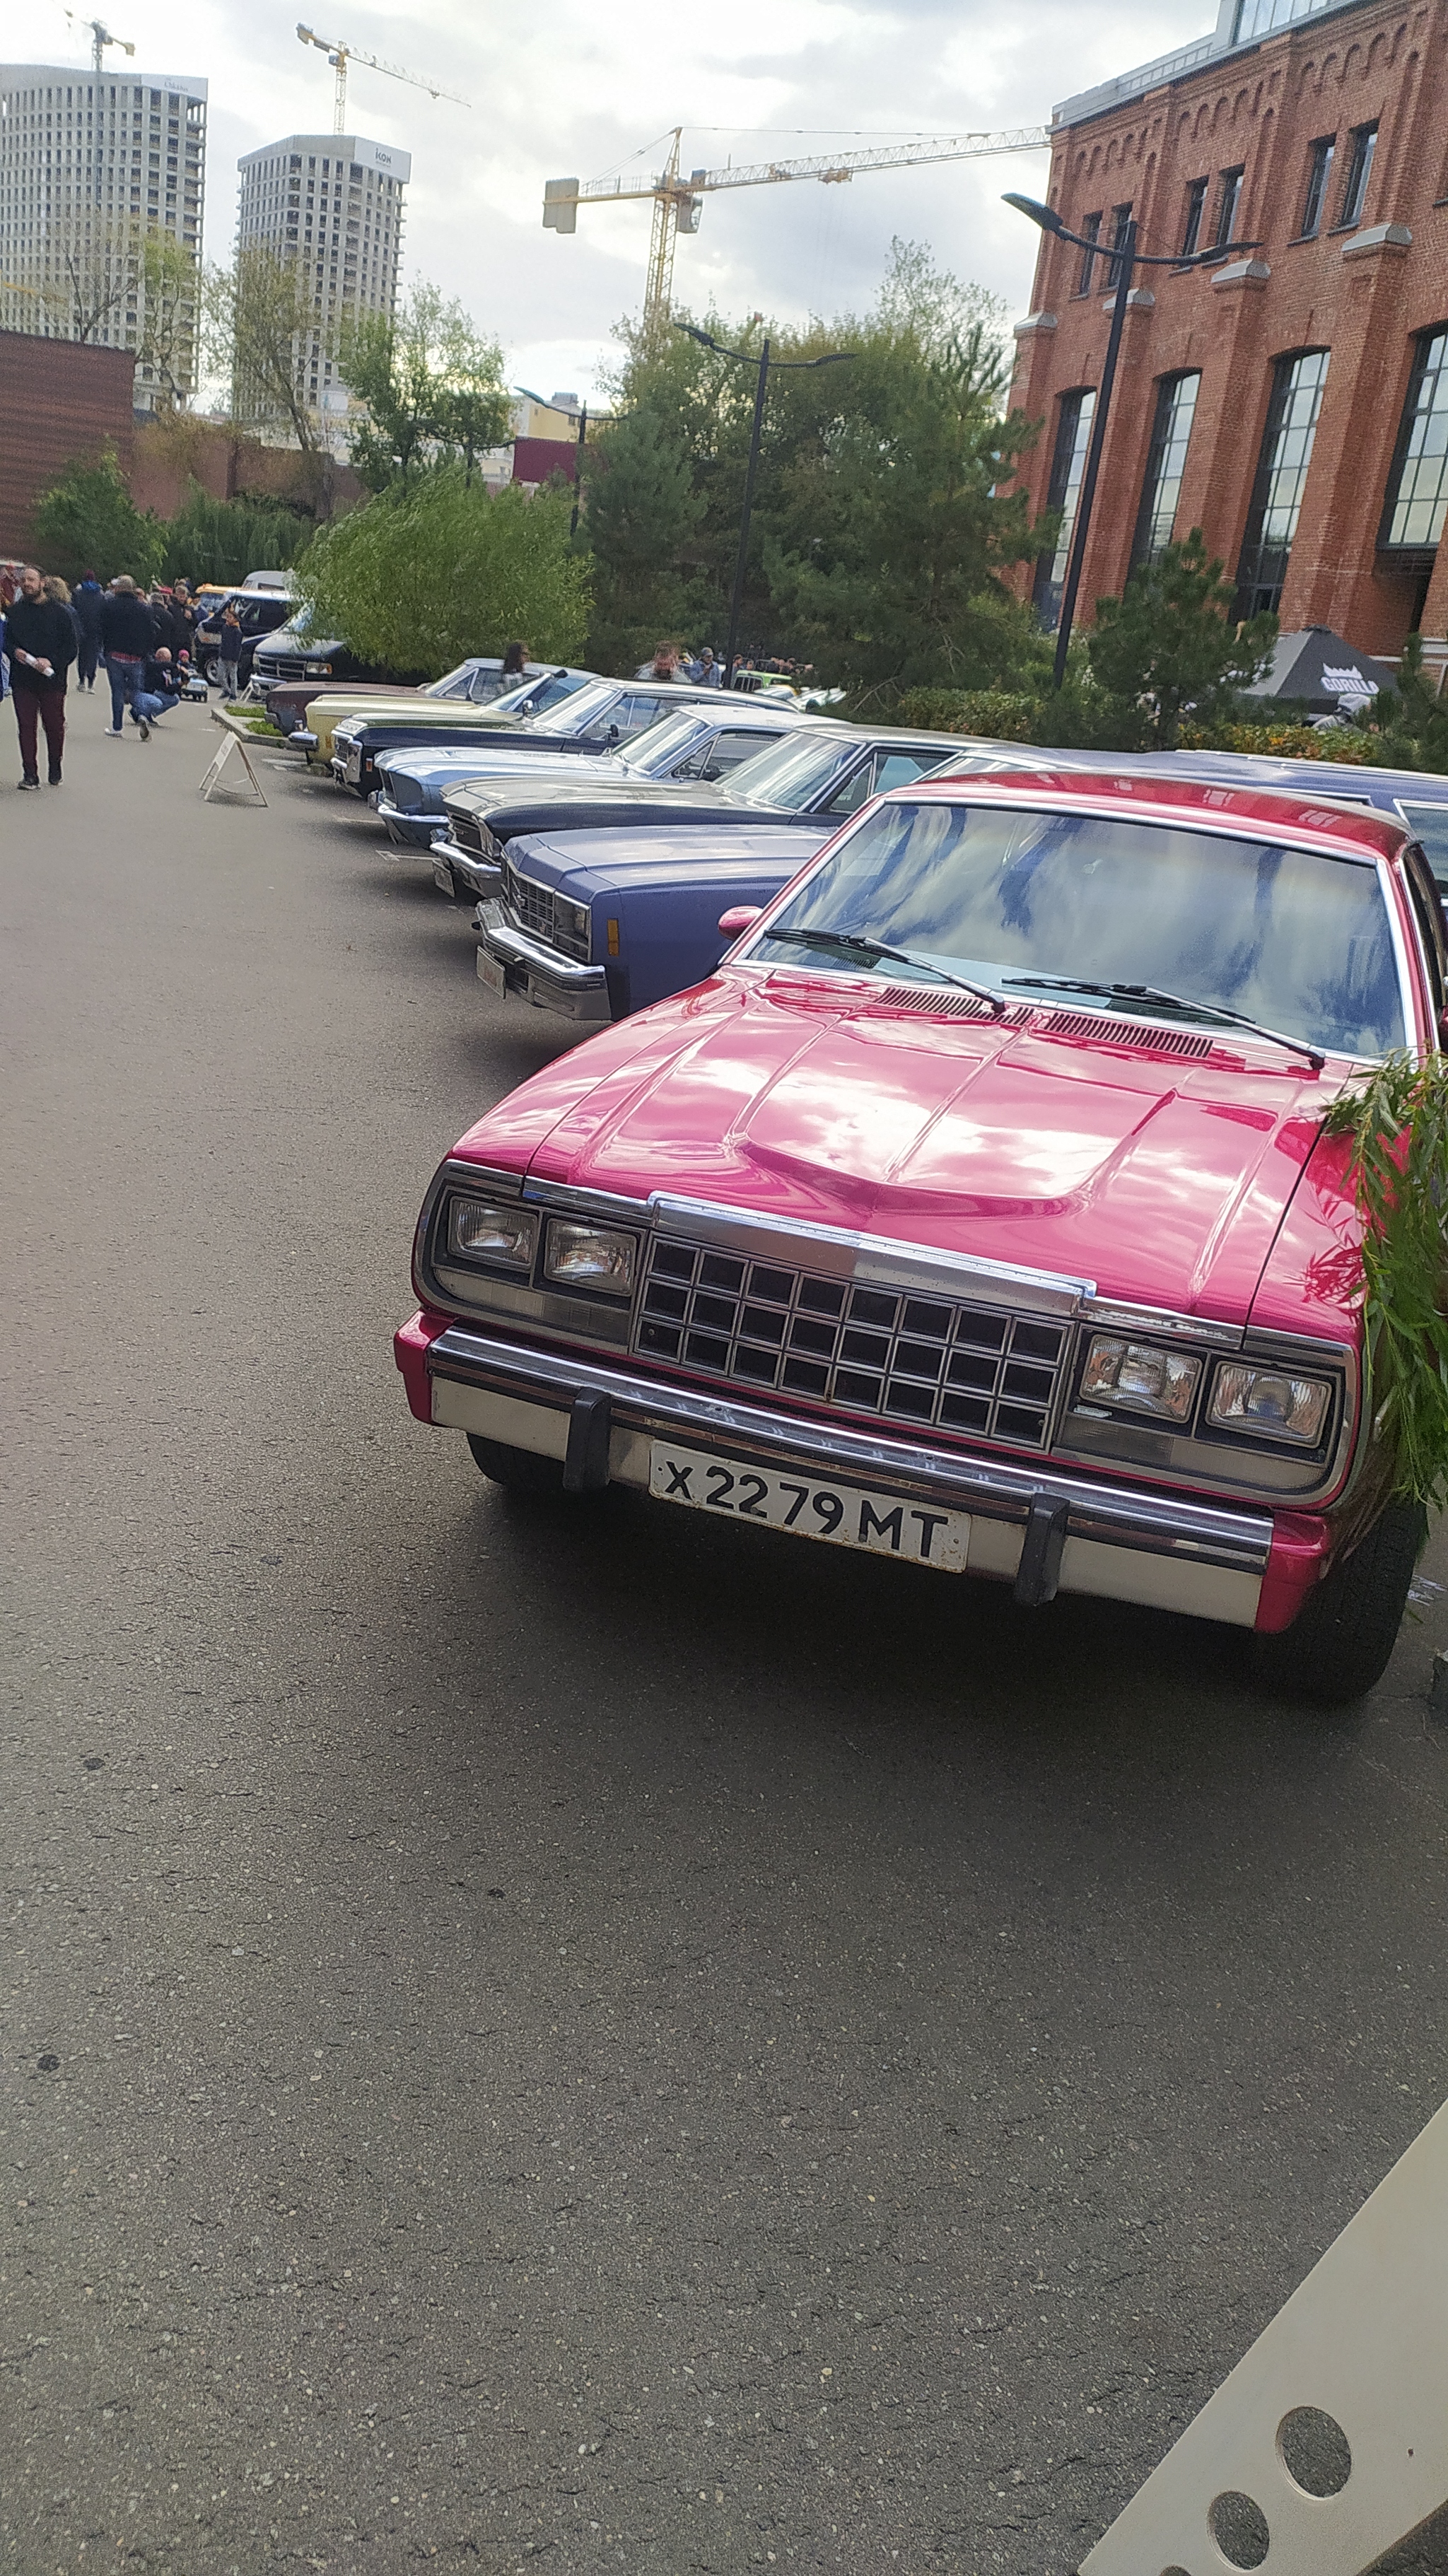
1104, 1315
998, 1489
518, 948
878, 1257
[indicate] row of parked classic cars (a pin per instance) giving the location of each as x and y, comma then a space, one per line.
944, 1173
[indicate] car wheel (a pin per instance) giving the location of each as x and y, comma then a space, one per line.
211, 672
522, 1471
1340, 1642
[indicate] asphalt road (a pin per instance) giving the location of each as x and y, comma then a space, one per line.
570, 2035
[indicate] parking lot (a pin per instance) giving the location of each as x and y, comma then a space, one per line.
565, 2033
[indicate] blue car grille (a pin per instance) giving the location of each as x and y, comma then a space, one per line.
537, 909
404, 792
935, 1362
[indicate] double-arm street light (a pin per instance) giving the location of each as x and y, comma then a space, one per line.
746, 358
1127, 259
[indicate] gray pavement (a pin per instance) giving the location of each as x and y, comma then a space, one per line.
576, 2036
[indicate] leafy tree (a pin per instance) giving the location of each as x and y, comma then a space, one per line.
877, 541
1171, 642
212, 540
431, 385
260, 319
438, 568
170, 314
643, 514
899, 580
89, 519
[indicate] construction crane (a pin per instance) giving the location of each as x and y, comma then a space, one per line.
100, 37
340, 55
677, 205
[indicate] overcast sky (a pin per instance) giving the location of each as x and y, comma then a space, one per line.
576, 87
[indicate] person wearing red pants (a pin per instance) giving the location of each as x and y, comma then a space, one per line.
40, 645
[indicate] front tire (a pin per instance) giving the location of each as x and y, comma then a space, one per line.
1340, 1642
519, 1471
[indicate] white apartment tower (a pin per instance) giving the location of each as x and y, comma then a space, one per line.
91, 163
333, 204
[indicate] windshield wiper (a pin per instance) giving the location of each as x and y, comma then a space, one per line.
1173, 1002
852, 945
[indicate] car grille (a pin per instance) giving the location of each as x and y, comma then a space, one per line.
934, 1361
467, 831
537, 909
285, 666
403, 792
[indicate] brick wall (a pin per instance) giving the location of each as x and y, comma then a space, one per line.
1362, 291
58, 399
168, 453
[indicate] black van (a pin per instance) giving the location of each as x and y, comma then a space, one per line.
260, 612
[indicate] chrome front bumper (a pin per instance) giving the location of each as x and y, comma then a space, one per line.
410, 828
467, 871
539, 973
304, 739
1037, 1526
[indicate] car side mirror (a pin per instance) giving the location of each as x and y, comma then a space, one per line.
739, 918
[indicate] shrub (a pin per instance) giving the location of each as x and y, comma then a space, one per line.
438, 568
88, 520
225, 540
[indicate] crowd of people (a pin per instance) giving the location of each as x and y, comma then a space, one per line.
677, 662
144, 642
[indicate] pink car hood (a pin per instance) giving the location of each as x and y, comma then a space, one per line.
1165, 1181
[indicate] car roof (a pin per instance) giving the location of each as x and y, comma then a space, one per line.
1358, 831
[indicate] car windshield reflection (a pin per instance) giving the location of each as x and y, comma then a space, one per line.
1294, 939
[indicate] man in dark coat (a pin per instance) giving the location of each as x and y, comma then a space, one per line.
128, 637
40, 641
87, 601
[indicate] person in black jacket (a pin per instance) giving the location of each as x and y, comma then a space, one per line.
87, 601
40, 642
128, 636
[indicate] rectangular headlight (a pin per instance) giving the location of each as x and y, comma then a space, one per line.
575, 919
1269, 1403
590, 1256
478, 1231
1140, 1377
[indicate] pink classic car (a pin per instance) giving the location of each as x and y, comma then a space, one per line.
976, 1211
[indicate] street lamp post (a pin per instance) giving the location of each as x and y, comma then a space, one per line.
1128, 259
743, 358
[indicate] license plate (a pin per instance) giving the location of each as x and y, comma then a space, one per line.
491, 974
442, 877
843, 1515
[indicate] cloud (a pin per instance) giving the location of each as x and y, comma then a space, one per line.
578, 88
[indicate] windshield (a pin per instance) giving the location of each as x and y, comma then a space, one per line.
580, 712
1298, 941
453, 684
792, 772
656, 750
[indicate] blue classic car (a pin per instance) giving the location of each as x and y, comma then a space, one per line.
595, 923
700, 741
824, 769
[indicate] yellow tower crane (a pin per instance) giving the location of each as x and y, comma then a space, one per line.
340, 55
100, 37
677, 201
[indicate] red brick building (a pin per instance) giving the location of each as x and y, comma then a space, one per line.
1290, 398
58, 399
